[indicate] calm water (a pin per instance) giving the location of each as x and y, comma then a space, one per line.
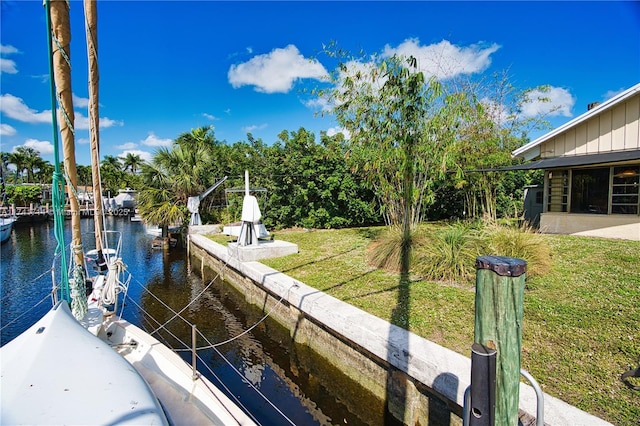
294, 380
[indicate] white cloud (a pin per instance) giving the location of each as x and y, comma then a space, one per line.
552, 102
146, 156
321, 104
81, 122
6, 130
153, 140
7, 49
83, 141
79, 102
611, 93
8, 66
253, 128
332, 131
275, 72
127, 146
43, 147
14, 107
496, 111
445, 60
44, 78
209, 116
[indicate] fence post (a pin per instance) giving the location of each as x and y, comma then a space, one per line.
498, 325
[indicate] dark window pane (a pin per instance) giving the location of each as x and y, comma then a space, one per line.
624, 198
590, 191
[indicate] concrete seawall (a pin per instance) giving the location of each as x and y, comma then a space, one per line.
422, 382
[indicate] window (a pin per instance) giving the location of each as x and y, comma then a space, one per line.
539, 197
558, 191
590, 191
624, 194
603, 190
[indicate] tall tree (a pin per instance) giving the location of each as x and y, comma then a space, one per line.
173, 176
18, 159
402, 127
496, 126
32, 160
132, 162
112, 161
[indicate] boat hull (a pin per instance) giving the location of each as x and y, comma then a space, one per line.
57, 372
171, 379
6, 225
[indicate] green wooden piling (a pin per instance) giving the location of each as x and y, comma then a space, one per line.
498, 325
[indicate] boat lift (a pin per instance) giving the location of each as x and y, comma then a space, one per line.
194, 202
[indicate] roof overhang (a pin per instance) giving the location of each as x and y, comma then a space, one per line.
579, 160
528, 151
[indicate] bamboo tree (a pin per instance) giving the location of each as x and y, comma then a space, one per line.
402, 125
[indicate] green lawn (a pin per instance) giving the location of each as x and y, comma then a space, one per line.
581, 320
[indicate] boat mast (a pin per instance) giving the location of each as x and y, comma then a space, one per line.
61, 39
91, 24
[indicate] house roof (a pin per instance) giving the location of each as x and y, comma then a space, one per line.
521, 152
578, 160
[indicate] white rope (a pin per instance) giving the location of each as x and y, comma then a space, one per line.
112, 285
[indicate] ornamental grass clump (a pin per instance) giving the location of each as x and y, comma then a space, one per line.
385, 252
521, 242
447, 253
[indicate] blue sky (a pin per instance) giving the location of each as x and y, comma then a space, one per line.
167, 67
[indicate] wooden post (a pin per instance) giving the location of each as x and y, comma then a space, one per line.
498, 325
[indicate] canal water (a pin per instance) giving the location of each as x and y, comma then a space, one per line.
299, 387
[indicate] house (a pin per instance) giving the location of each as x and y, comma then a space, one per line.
591, 170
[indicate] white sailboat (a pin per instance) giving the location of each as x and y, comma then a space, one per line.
81, 363
6, 225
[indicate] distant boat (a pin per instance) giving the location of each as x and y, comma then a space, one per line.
6, 225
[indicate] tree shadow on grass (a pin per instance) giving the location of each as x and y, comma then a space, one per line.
396, 387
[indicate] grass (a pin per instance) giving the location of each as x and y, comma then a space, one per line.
581, 310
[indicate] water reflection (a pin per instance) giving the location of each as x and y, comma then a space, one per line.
296, 381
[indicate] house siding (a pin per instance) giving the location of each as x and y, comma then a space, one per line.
632, 127
613, 130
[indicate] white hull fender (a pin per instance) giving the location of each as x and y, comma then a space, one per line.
57, 372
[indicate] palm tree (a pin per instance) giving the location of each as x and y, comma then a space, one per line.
132, 162
112, 161
44, 175
84, 175
18, 159
173, 176
32, 160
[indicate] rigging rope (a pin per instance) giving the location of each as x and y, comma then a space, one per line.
35, 305
57, 187
211, 345
215, 345
78, 287
113, 286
